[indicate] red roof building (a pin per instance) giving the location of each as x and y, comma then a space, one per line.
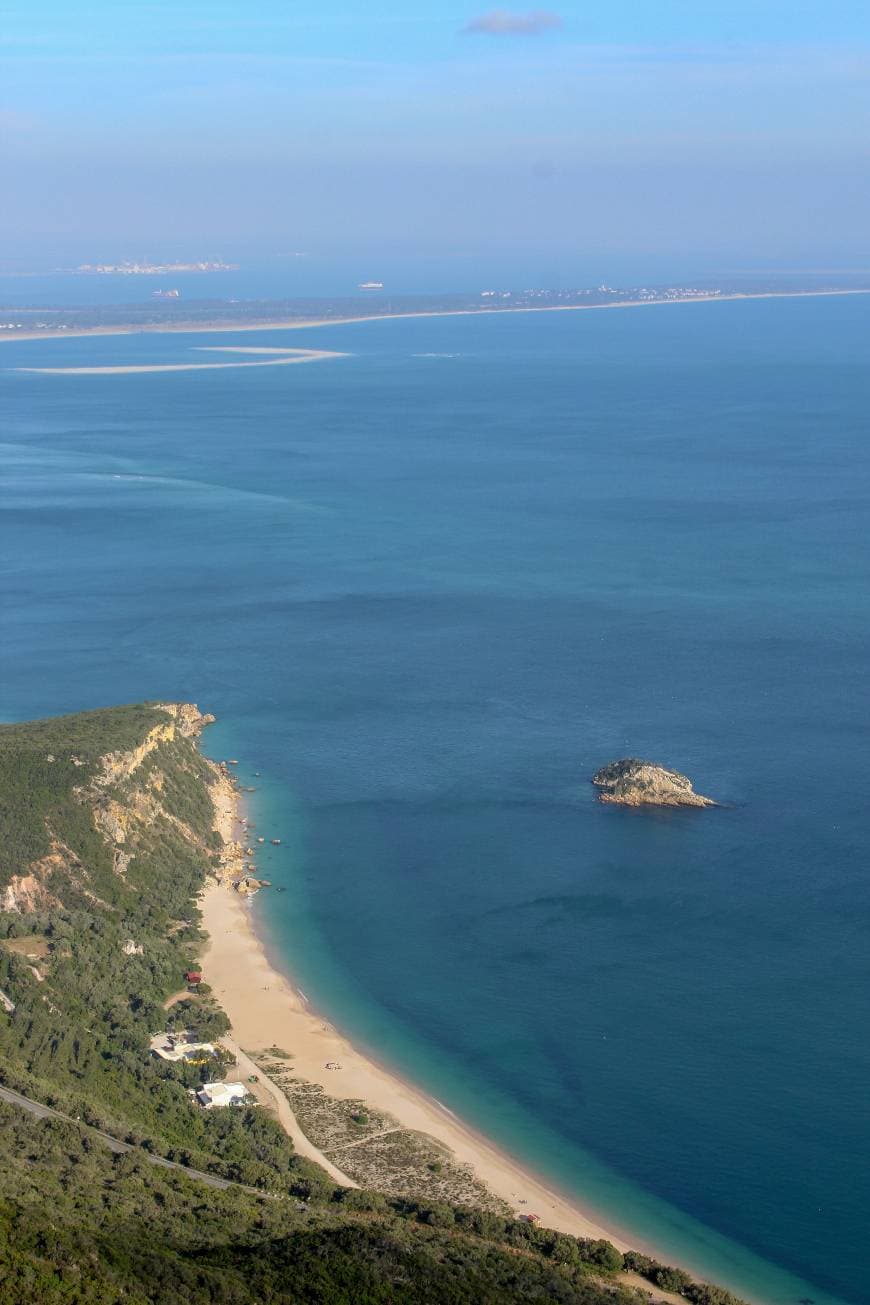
194, 976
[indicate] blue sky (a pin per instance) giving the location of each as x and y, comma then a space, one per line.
720, 130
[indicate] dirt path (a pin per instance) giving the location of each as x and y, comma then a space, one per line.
183, 994
656, 1293
286, 1117
361, 1141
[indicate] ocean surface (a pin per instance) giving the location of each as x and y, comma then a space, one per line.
428, 588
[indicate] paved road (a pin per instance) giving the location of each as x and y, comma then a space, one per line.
46, 1112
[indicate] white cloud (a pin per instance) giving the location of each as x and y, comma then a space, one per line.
501, 23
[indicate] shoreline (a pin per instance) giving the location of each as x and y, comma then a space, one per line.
220, 326
237, 965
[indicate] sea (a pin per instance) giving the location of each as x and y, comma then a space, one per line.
428, 588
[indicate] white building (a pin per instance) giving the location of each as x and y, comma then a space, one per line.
221, 1094
175, 1046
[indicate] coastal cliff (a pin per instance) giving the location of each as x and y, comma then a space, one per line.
77, 816
632, 782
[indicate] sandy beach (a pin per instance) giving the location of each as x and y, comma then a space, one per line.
266, 1010
301, 323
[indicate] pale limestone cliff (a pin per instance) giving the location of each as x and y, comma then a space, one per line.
28, 892
184, 719
123, 816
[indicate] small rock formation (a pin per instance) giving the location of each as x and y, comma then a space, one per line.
634, 783
249, 885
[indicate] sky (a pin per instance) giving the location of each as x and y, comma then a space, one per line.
732, 133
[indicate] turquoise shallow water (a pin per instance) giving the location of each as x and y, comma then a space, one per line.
428, 588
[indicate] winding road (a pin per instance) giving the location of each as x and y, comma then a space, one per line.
120, 1148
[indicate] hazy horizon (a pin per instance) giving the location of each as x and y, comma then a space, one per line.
578, 139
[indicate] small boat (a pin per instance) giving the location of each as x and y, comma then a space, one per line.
261, 839
232, 762
275, 841
250, 790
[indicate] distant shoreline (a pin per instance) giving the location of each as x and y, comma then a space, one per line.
221, 325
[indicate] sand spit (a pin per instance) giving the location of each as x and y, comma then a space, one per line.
300, 324
254, 348
286, 357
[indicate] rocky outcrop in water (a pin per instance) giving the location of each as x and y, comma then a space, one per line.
635, 783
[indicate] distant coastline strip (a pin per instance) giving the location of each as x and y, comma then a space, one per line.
223, 326
285, 357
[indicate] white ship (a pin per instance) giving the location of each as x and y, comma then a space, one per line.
370, 285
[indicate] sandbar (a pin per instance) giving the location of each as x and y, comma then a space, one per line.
287, 357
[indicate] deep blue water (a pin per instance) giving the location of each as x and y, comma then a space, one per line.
428, 589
